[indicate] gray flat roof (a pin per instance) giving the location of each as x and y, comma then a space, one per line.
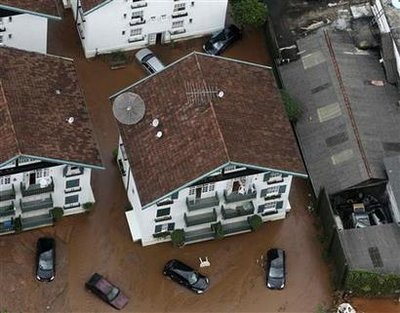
375, 248
343, 142
392, 165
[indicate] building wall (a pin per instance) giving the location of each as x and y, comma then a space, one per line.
143, 223
70, 184
24, 31
112, 27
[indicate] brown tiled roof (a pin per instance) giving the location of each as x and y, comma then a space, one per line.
247, 125
47, 7
38, 93
90, 4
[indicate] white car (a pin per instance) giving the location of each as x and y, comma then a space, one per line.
149, 61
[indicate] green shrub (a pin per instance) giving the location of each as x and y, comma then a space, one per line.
251, 13
178, 237
18, 224
115, 154
87, 206
364, 283
218, 230
293, 108
255, 222
57, 213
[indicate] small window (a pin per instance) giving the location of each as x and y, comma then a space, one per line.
5, 180
124, 15
136, 32
175, 195
123, 32
179, 7
205, 188
137, 14
282, 189
192, 191
164, 17
153, 18
9, 36
164, 227
72, 183
72, 199
192, 3
10, 18
1, 38
163, 212
190, 20
211, 187
177, 24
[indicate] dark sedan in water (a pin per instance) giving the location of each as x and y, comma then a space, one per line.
186, 276
221, 40
45, 259
275, 269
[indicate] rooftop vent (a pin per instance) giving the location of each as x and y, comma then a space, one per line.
159, 134
58, 91
70, 120
155, 122
221, 94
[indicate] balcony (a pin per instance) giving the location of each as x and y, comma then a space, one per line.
198, 235
136, 38
197, 204
2, 28
6, 226
138, 4
179, 14
237, 227
177, 31
200, 218
137, 21
242, 210
29, 206
236, 197
36, 221
8, 194
7, 210
36, 189
70, 171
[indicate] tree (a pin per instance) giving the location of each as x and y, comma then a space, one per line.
293, 108
251, 13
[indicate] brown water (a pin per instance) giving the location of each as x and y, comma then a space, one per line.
100, 241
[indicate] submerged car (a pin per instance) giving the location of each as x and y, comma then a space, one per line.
45, 259
275, 269
107, 291
221, 40
186, 276
149, 61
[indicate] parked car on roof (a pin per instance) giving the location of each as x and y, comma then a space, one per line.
45, 259
221, 40
275, 269
107, 291
186, 276
149, 61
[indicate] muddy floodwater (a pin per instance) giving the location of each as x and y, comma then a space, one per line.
100, 240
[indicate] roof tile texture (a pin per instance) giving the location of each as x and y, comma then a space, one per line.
247, 125
35, 115
90, 4
48, 7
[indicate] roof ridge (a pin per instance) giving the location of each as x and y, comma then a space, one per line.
213, 111
11, 119
347, 104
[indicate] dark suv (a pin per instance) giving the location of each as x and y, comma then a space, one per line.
220, 41
45, 259
186, 276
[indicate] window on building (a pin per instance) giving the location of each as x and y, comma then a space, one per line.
192, 191
1, 39
124, 15
190, 20
136, 32
192, 3
10, 19
179, 7
5, 180
137, 14
164, 17
164, 227
177, 24
153, 18
71, 199
44, 172
163, 212
211, 187
205, 188
272, 190
72, 183
175, 195
123, 32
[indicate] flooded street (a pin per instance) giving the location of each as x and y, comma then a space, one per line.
100, 240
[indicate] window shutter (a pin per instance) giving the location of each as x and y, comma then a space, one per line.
279, 205
267, 175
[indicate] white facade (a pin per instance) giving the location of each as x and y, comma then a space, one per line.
229, 201
31, 194
131, 24
25, 32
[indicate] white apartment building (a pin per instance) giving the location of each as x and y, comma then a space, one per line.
24, 24
47, 145
107, 26
202, 149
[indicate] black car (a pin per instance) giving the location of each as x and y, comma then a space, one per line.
185, 275
45, 259
275, 269
220, 41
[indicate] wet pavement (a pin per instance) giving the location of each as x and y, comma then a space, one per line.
100, 240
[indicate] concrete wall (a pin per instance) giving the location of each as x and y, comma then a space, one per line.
108, 28
24, 31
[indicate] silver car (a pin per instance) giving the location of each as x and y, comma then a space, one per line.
149, 61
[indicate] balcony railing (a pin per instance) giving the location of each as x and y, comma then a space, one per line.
237, 227
2, 28
179, 14
196, 204
69, 171
137, 21
242, 210
200, 218
236, 197
8, 194
136, 38
36, 189
36, 221
36, 205
138, 4
7, 210
177, 31
201, 234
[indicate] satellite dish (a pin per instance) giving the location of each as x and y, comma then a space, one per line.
396, 4
128, 108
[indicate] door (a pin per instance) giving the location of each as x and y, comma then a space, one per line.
198, 192
236, 186
32, 178
159, 38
